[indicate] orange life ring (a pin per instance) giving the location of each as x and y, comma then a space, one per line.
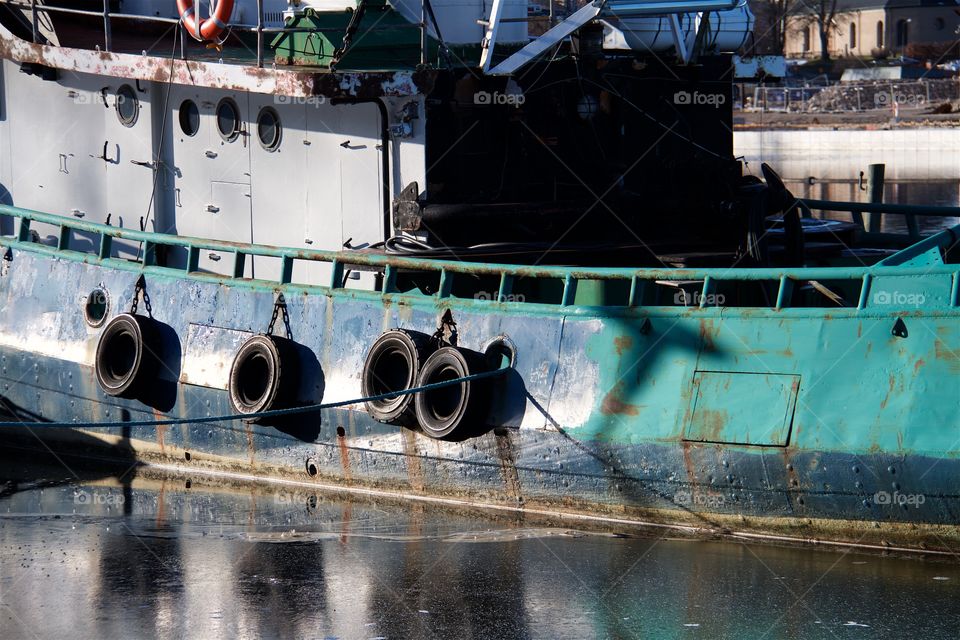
210, 28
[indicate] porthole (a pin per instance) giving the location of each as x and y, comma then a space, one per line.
228, 120
269, 130
128, 107
189, 118
500, 352
96, 307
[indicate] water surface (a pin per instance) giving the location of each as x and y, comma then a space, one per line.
102, 557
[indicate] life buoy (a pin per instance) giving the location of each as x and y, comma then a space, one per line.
264, 375
210, 28
456, 411
126, 357
393, 364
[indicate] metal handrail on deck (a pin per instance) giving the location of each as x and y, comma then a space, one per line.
258, 28
391, 266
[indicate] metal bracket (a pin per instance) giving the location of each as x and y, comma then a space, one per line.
407, 210
446, 333
103, 156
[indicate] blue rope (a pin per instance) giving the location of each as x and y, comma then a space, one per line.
263, 414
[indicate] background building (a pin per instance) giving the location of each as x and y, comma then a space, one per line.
876, 28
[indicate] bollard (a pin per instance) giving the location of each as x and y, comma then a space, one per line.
875, 187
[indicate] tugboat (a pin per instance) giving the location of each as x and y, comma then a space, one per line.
453, 251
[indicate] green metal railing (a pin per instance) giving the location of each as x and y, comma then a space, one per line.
636, 280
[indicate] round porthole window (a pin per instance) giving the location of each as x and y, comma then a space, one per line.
96, 308
128, 107
228, 120
189, 118
269, 130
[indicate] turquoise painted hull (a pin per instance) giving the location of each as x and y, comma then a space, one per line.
838, 424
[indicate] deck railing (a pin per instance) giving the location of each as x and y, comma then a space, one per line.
259, 28
635, 282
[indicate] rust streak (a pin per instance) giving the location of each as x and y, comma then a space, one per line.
890, 386
614, 405
298, 82
943, 352
161, 435
690, 466
412, 457
706, 336
622, 344
344, 457
508, 465
714, 421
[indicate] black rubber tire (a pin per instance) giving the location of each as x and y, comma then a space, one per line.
454, 411
393, 364
127, 355
264, 375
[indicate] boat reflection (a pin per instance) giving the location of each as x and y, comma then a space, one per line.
113, 556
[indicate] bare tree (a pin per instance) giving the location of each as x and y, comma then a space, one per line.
820, 13
779, 13
825, 10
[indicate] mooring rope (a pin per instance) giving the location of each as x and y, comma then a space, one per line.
263, 414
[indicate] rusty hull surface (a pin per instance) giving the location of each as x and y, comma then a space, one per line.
605, 417
296, 83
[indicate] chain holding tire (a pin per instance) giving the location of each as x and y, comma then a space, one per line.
141, 290
279, 307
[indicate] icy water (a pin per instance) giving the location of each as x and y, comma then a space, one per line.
107, 557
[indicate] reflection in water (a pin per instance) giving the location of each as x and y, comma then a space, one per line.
166, 560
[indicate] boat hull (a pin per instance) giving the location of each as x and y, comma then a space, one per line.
596, 422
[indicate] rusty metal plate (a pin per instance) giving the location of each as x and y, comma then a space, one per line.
742, 408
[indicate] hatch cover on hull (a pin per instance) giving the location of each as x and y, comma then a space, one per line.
742, 408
